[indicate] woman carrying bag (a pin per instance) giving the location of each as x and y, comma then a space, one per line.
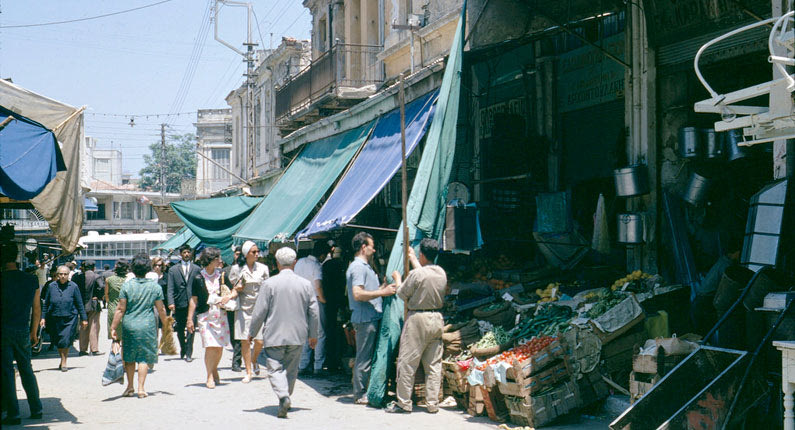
208, 304
135, 312
251, 275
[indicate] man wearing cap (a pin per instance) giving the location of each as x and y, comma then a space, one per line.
421, 340
92, 287
287, 305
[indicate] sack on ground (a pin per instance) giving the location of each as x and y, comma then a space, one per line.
114, 370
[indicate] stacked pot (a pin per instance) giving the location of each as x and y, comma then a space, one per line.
631, 181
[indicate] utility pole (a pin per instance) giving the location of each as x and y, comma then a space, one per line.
248, 55
413, 24
163, 164
403, 178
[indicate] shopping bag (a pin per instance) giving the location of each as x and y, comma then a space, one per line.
114, 370
167, 346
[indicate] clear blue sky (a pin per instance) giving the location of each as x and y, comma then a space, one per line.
134, 64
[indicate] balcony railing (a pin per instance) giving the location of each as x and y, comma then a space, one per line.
345, 65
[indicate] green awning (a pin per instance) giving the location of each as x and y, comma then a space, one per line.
182, 237
424, 214
214, 220
305, 182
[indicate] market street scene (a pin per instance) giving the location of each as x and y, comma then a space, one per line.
358, 214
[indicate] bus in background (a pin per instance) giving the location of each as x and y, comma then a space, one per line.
109, 248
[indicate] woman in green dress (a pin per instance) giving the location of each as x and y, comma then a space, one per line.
112, 289
135, 311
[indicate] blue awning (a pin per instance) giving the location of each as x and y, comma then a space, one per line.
29, 156
375, 165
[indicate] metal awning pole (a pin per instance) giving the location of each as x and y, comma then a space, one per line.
403, 179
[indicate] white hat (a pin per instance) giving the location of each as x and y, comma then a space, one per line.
247, 247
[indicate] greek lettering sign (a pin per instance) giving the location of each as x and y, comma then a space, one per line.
586, 77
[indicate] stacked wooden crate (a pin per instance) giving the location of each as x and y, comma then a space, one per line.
539, 389
455, 383
648, 370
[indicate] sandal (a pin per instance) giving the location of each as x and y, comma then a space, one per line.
210, 384
142, 395
256, 368
128, 393
246, 379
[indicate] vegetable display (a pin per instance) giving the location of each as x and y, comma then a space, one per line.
606, 299
498, 336
548, 321
526, 350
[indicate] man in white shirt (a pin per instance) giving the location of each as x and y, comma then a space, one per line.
310, 268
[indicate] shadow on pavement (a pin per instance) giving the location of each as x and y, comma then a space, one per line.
54, 412
330, 385
273, 409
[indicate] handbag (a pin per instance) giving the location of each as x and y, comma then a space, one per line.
92, 305
232, 304
114, 370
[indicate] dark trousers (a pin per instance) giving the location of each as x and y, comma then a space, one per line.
335, 339
236, 354
16, 347
185, 338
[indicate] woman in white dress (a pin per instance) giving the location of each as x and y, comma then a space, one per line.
247, 282
207, 303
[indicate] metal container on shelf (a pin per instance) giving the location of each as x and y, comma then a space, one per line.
697, 189
733, 151
690, 144
632, 180
713, 143
630, 228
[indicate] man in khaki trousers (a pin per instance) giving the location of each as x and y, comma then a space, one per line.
421, 340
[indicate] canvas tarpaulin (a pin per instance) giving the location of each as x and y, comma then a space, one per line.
29, 156
214, 220
375, 165
182, 237
424, 211
60, 202
304, 183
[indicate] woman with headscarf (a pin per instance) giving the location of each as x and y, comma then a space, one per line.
135, 311
250, 276
62, 308
208, 304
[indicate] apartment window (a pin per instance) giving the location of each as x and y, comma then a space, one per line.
98, 214
127, 210
220, 156
116, 210
323, 34
257, 123
139, 211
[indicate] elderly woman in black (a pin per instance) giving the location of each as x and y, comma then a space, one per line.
62, 307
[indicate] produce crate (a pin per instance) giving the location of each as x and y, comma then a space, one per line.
455, 377
618, 320
523, 386
476, 404
592, 388
541, 409
536, 363
617, 354
641, 383
659, 364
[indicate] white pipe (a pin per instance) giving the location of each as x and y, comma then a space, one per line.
784, 18
718, 39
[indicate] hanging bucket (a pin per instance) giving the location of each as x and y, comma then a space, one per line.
733, 280
713, 143
632, 180
697, 189
733, 151
690, 145
630, 228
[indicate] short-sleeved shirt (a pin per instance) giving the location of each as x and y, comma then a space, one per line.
18, 289
360, 273
309, 268
424, 288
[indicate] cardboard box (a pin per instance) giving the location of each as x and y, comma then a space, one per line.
539, 410
526, 386
640, 384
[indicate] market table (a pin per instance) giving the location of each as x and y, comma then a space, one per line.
787, 349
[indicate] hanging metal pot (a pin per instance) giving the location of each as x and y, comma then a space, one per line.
632, 180
690, 145
733, 151
630, 227
697, 189
713, 143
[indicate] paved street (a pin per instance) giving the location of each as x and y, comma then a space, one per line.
177, 397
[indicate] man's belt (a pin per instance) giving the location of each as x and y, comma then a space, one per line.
424, 310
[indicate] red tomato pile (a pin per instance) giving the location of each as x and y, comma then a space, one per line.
521, 352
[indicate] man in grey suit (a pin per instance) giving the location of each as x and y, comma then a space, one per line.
288, 307
180, 290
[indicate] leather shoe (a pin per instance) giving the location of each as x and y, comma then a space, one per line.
36, 416
188, 359
95, 353
236, 368
284, 406
82, 354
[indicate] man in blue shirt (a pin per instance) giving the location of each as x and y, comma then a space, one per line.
364, 299
20, 294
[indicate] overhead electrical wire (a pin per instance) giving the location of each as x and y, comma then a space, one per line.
85, 19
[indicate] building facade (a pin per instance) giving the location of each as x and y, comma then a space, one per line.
214, 145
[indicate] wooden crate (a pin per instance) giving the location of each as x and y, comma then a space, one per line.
476, 405
659, 364
461, 400
536, 363
541, 409
592, 388
489, 402
523, 386
629, 302
617, 355
640, 384
454, 377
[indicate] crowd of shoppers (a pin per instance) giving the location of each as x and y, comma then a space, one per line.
291, 314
